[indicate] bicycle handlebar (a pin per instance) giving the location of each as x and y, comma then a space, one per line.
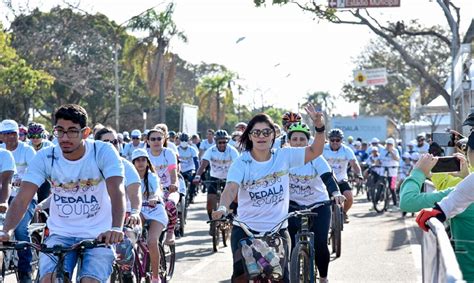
56, 249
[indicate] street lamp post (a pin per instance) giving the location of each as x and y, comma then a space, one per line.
117, 89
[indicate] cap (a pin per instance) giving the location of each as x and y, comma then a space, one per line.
136, 133
469, 120
350, 138
421, 135
374, 148
375, 140
241, 124
406, 155
415, 156
125, 134
390, 141
412, 143
139, 152
9, 126
146, 132
357, 143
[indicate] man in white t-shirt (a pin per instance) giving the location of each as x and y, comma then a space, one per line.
7, 169
219, 157
131, 146
421, 145
207, 143
23, 154
390, 161
88, 199
339, 156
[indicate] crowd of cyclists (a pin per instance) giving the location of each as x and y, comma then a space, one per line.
95, 182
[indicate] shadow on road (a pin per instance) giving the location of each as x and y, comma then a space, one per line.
399, 239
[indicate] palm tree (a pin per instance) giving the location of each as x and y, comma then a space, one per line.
152, 49
214, 93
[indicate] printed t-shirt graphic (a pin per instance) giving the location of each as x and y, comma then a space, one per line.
163, 163
264, 186
306, 186
79, 193
339, 160
220, 161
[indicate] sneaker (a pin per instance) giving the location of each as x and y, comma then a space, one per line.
346, 218
24, 277
170, 237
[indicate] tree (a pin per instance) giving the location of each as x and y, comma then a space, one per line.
152, 49
322, 99
215, 93
394, 33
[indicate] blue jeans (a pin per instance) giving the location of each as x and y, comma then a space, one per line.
21, 234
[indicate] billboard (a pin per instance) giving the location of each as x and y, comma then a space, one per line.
362, 127
370, 77
188, 119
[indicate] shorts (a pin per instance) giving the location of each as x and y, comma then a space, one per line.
344, 186
96, 263
214, 185
157, 213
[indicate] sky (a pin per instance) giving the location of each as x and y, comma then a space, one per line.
285, 53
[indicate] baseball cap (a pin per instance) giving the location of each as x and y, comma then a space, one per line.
125, 134
390, 141
375, 140
9, 126
139, 152
136, 133
406, 155
415, 156
241, 124
357, 143
350, 138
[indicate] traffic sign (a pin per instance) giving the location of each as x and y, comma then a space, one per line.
370, 77
341, 4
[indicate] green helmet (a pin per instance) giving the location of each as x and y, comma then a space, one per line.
299, 127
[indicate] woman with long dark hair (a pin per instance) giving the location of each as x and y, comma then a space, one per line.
260, 178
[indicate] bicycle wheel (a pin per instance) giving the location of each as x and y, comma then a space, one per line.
300, 264
378, 199
116, 275
170, 256
226, 228
35, 239
388, 194
336, 235
163, 269
215, 236
182, 217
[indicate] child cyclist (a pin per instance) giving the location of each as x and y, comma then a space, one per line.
154, 212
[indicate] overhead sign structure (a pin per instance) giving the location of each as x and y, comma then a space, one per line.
341, 4
370, 77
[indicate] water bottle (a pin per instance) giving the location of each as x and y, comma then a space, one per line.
250, 262
271, 257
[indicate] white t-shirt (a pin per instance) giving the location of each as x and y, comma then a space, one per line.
173, 147
23, 154
339, 160
186, 158
7, 162
205, 145
422, 149
163, 164
220, 161
306, 186
153, 186
80, 204
131, 177
129, 148
372, 161
264, 186
44, 144
387, 160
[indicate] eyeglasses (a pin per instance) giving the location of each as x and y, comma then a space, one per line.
222, 142
71, 133
35, 136
114, 142
335, 140
156, 139
266, 132
135, 138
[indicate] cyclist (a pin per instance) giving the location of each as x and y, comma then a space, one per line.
219, 157
7, 169
23, 155
88, 199
286, 120
136, 143
260, 179
421, 145
154, 212
166, 142
196, 141
23, 133
207, 143
390, 157
339, 156
188, 158
164, 161
313, 182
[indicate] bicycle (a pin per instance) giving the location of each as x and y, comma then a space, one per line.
302, 259
182, 210
380, 192
219, 227
57, 250
336, 228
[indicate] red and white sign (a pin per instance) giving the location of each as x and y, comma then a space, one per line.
363, 3
370, 77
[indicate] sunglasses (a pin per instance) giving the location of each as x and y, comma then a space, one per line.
135, 138
222, 142
114, 142
35, 136
265, 132
156, 139
335, 140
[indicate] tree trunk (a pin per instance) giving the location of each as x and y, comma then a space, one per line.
162, 98
218, 110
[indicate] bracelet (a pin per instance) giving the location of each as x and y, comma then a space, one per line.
116, 229
320, 130
197, 177
134, 211
223, 209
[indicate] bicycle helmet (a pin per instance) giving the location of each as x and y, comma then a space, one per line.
221, 134
290, 117
184, 137
172, 134
23, 130
35, 129
336, 133
299, 127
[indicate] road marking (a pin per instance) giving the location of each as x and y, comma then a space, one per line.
415, 248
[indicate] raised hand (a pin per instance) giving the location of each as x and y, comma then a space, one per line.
316, 116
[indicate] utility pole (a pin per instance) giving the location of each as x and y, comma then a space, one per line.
117, 89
